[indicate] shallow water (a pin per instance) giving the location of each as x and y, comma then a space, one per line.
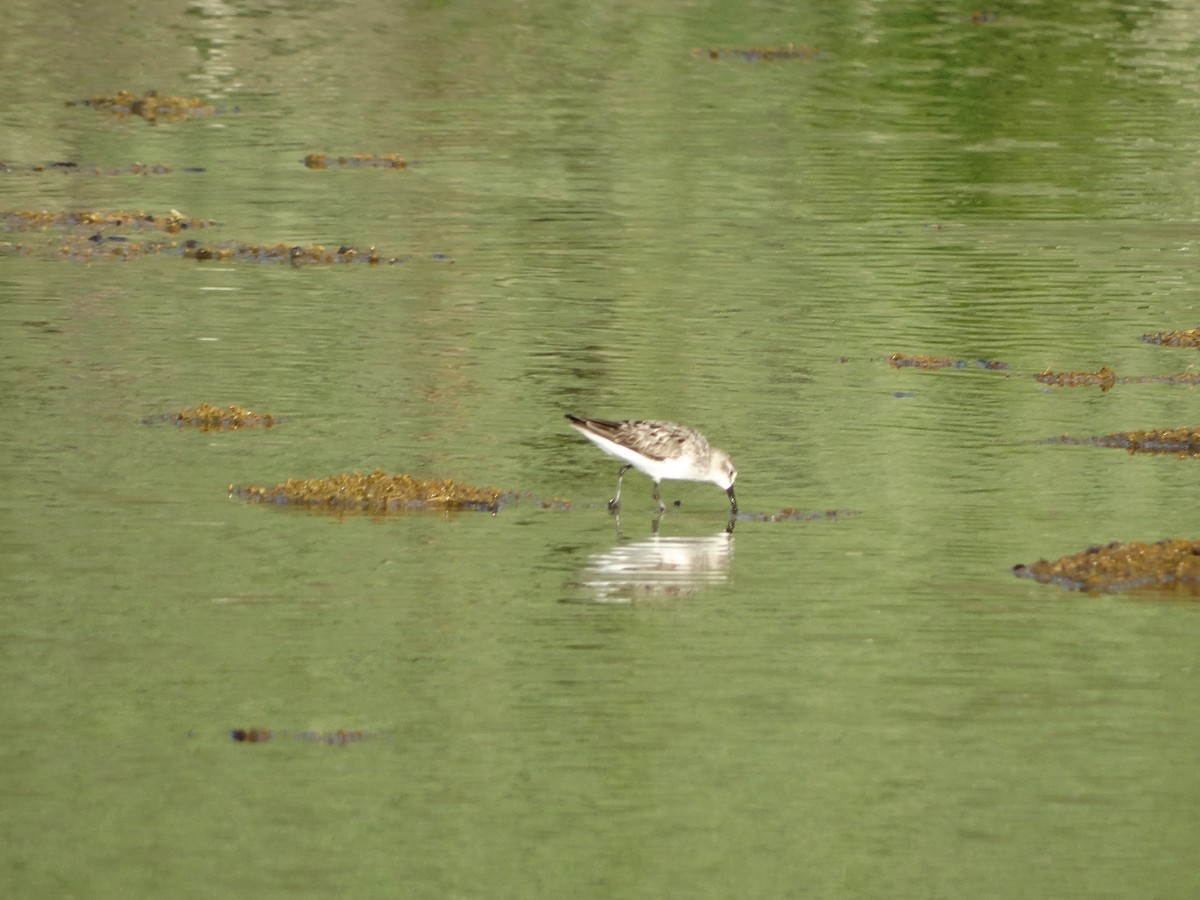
859, 702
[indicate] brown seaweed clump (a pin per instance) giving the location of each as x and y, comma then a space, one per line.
377, 492
207, 417
1169, 564
1105, 378
367, 160
151, 105
920, 361
1189, 338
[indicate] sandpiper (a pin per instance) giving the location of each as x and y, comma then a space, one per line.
662, 450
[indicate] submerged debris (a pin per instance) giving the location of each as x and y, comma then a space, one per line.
251, 735
791, 514
324, 161
207, 417
100, 247
1105, 378
1190, 338
759, 54
1122, 567
150, 105
74, 168
339, 738
920, 361
1182, 442
375, 493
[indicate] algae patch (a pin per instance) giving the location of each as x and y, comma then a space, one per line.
1189, 338
1183, 442
376, 492
207, 417
1115, 567
1105, 379
150, 106
357, 160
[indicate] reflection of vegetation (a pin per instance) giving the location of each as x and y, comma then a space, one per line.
375, 493
1122, 567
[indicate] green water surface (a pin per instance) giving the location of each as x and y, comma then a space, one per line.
859, 702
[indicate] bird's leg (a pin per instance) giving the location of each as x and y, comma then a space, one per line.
615, 503
658, 500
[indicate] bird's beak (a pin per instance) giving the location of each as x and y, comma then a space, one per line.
732, 499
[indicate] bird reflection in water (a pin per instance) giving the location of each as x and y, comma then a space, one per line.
657, 568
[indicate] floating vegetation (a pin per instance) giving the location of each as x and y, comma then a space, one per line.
1122, 567
760, 54
377, 492
74, 168
1190, 338
172, 222
85, 240
151, 105
1181, 442
291, 253
207, 417
339, 738
117, 247
362, 160
1105, 378
920, 361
